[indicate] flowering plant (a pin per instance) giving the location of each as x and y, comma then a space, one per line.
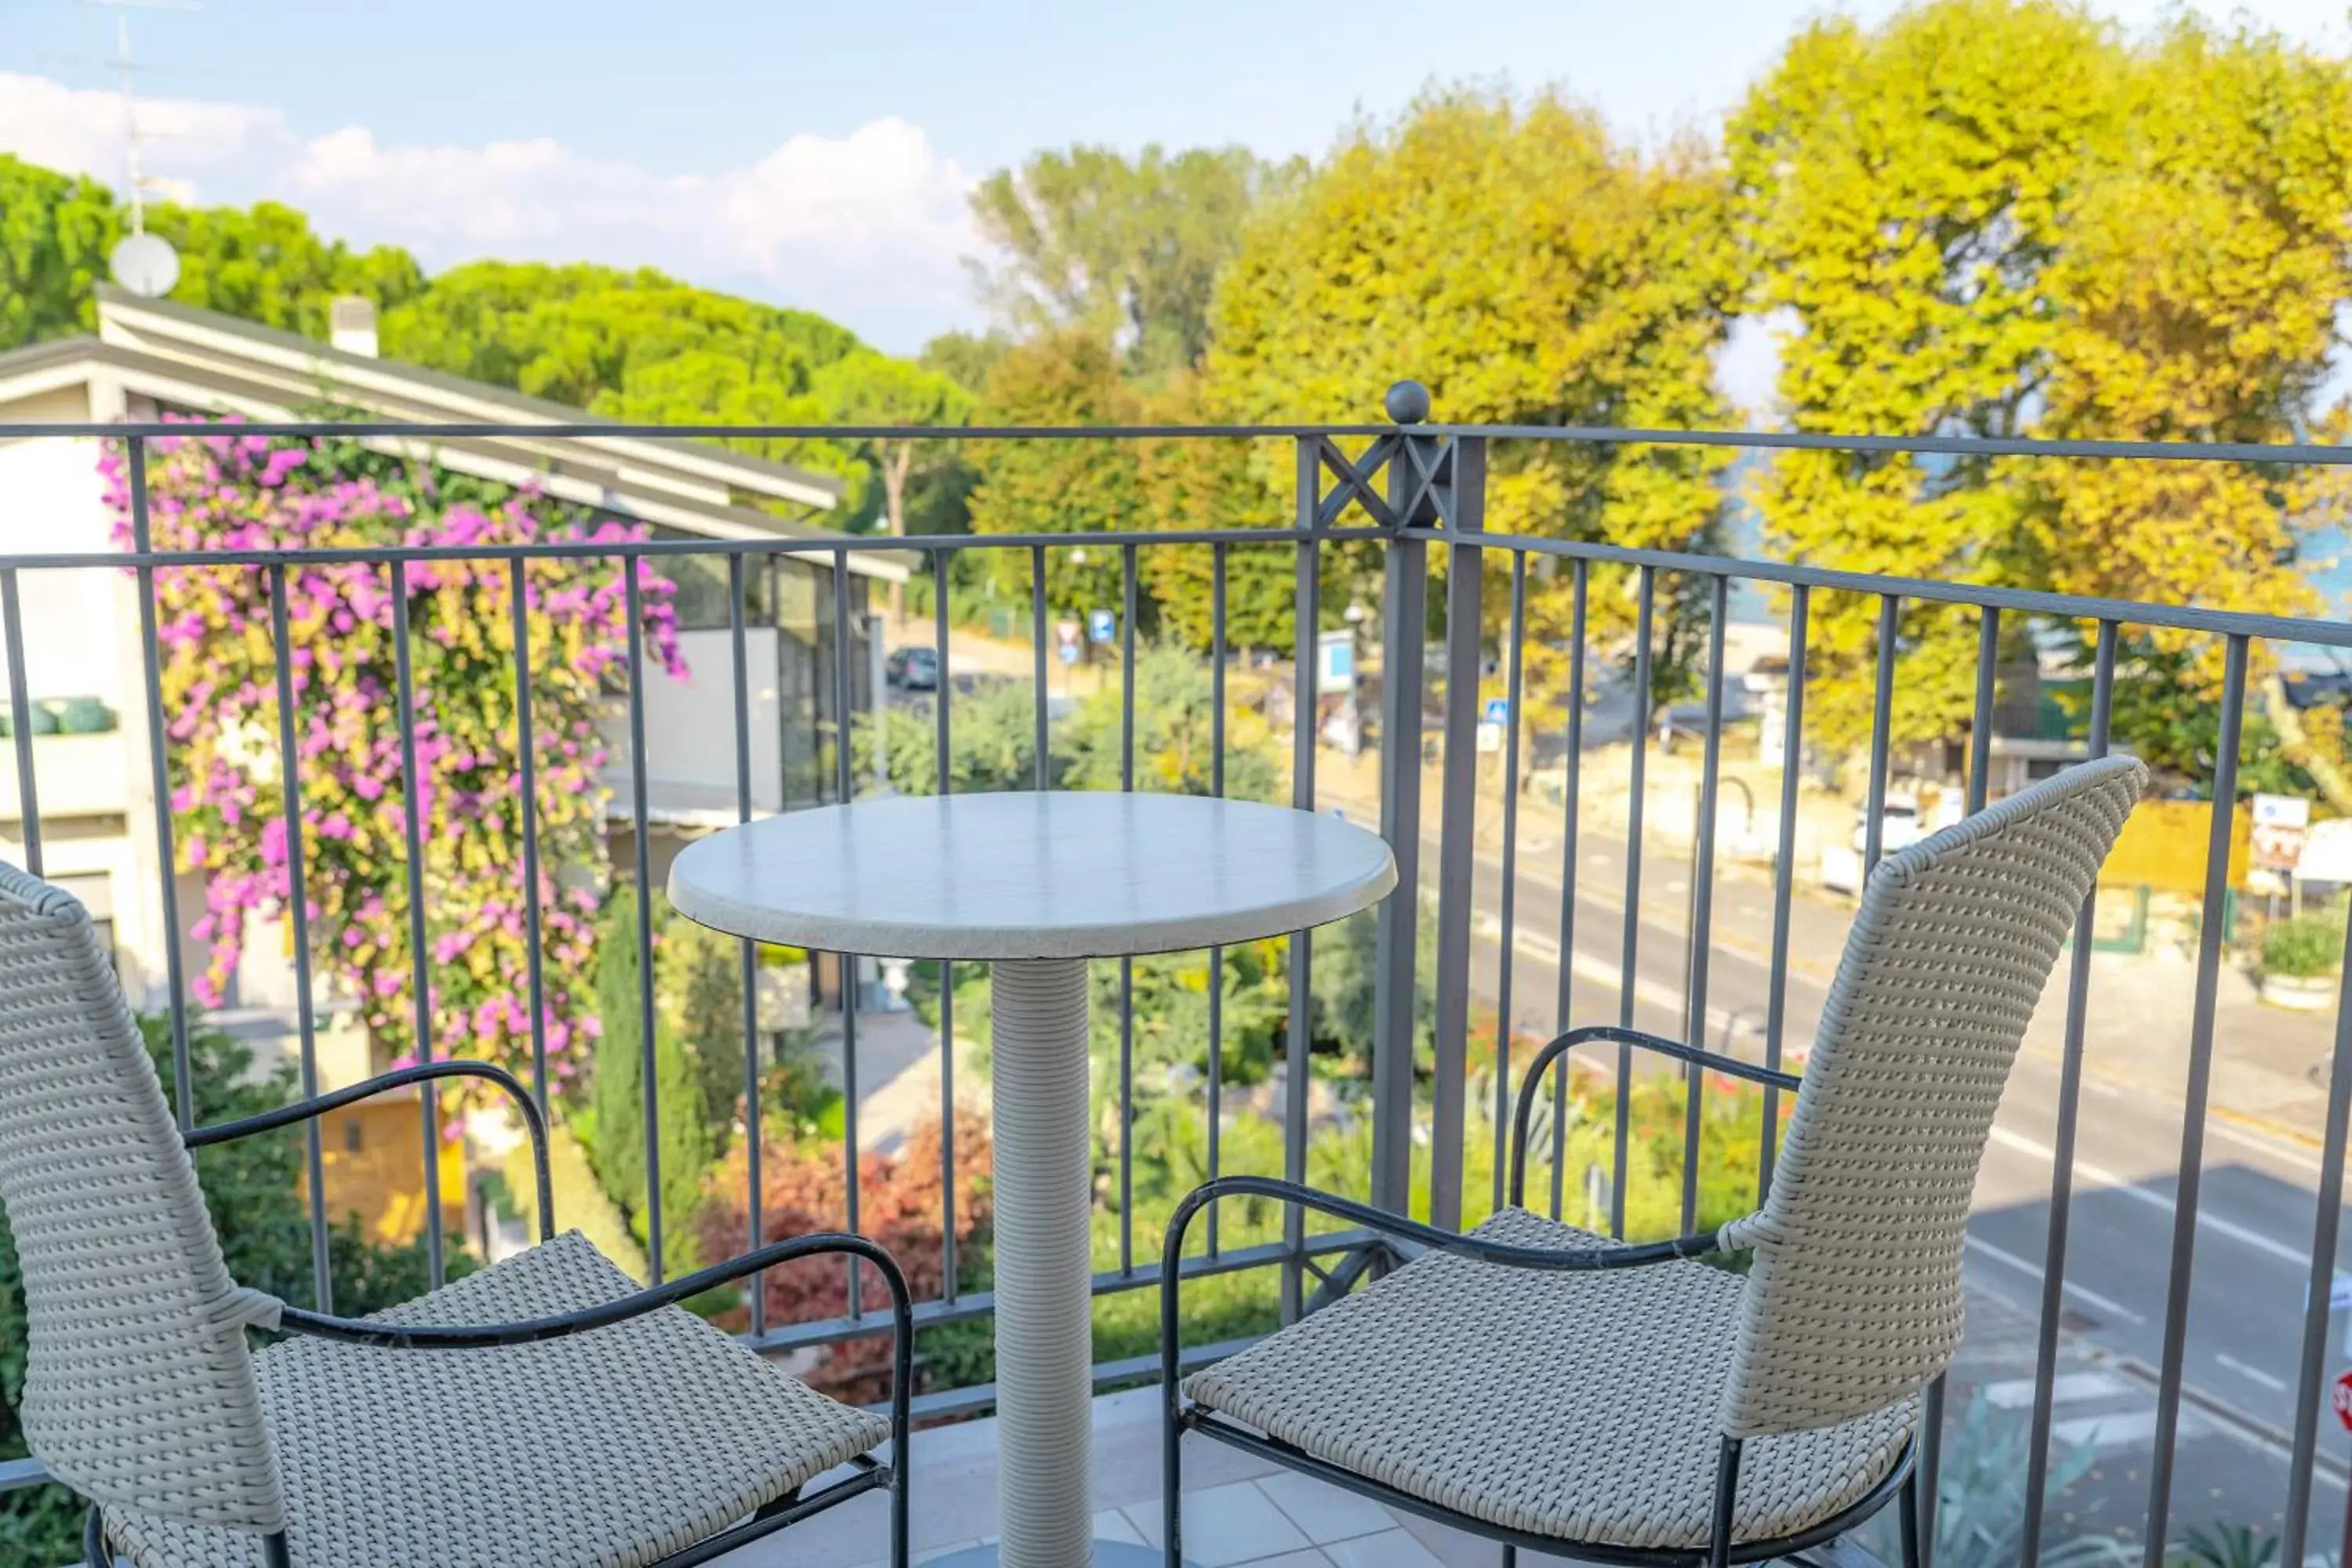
219, 675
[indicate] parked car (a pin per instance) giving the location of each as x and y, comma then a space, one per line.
913, 668
1900, 825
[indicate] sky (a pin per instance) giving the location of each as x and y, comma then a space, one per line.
814, 156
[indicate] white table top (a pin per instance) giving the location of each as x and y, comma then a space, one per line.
1053, 875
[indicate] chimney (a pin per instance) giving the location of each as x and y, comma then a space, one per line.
351, 324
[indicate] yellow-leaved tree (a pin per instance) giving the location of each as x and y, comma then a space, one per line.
1530, 269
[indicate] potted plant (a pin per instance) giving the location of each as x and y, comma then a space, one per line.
2299, 960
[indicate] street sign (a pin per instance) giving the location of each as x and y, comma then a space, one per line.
2342, 1399
1069, 652
1335, 662
2279, 823
2327, 854
1498, 711
1101, 626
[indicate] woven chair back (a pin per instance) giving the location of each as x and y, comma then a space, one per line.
1854, 1300
140, 1391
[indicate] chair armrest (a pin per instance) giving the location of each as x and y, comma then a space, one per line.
1611, 1033
382, 1335
424, 1072
1589, 1259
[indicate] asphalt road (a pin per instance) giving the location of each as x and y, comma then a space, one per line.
2255, 1215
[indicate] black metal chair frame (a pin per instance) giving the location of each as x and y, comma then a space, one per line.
1900, 1483
870, 1474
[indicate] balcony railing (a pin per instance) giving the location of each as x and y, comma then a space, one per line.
1628, 911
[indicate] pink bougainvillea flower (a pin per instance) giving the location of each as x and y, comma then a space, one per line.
219, 680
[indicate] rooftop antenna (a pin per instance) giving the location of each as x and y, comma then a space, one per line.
145, 264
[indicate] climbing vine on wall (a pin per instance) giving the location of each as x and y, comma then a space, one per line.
220, 703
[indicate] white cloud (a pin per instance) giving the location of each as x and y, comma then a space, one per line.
868, 227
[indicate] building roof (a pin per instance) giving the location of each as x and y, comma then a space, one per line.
178, 356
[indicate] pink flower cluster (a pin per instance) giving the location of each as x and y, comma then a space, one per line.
219, 680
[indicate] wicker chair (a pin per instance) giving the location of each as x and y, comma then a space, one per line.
543, 1411
1551, 1388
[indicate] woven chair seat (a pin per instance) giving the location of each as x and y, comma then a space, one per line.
614, 1448
1581, 1406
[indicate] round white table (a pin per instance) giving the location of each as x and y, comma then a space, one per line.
1038, 883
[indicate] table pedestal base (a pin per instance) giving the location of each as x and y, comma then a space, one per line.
1045, 1263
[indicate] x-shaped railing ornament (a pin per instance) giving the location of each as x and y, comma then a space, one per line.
1426, 496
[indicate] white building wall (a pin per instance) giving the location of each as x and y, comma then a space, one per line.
690, 728
81, 639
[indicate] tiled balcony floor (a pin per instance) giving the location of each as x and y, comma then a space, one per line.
1237, 1510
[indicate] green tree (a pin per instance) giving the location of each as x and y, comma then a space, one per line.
867, 388
264, 264
1054, 486
2004, 218
1190, 484
965, 358
1129, 250
697, 1066
1530, 271
576, 332
261, 263
55, 232
636, 345
1175, 738
1901, 193
991, 744
253, 1189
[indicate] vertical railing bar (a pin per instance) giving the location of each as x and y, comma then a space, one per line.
943, 737
298, 905
2070, 1089
167, 857
748, 959
1043, 737
1882, 724
2319, 1288
1457, 839
1404, 602
843, 785
527, 762
419, 957
20, 710
647, 1022
1980, 725
1570, 810
1511, 687
1784, 853
1217, 567
1129, 571
1630, 946
1874, 835
2200, 1073
1979, 780
1298, 1074
1702, 929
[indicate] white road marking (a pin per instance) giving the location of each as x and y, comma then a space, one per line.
2066, 1388
2277, 1148
2126, 1429
2113, 1308
2255, 1373
2299, 1257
